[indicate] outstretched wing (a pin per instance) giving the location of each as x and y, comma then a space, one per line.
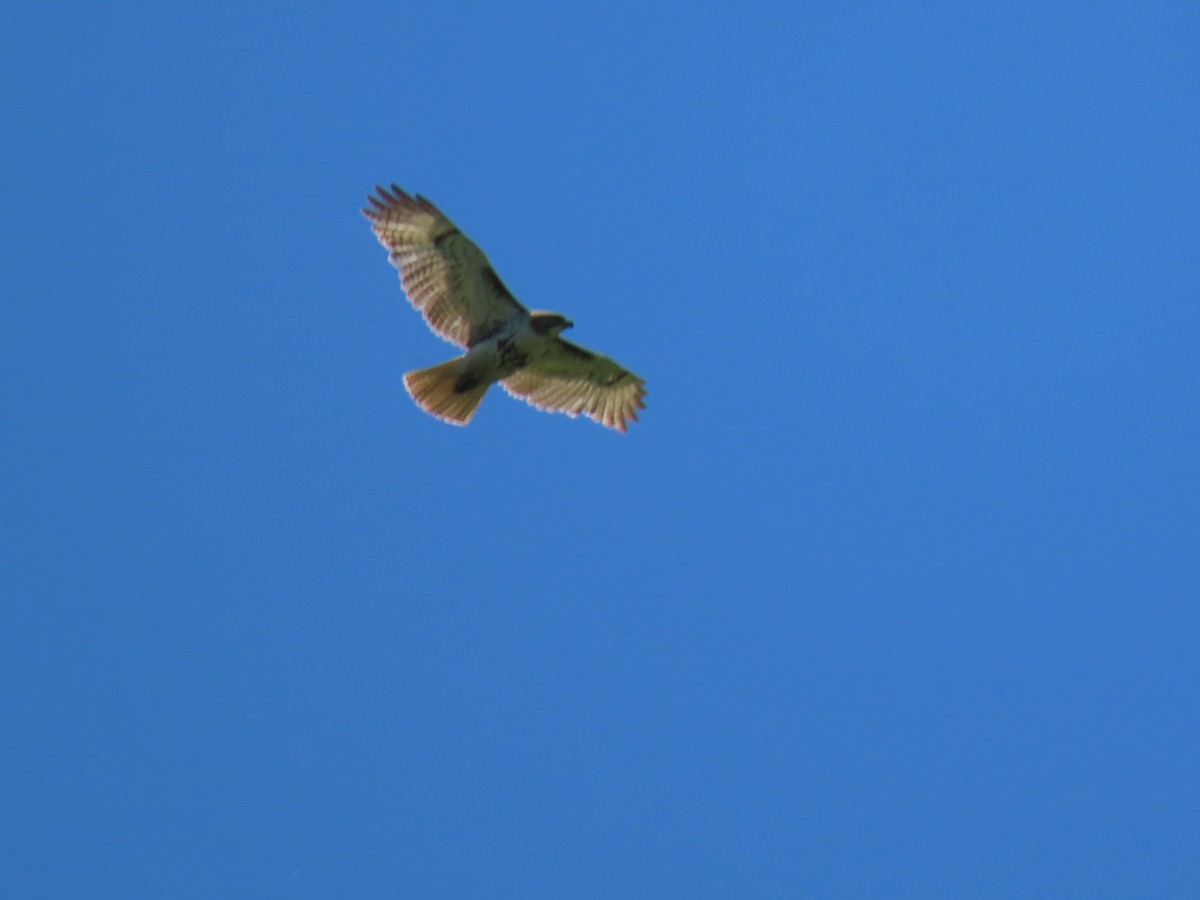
572, 380
443, 273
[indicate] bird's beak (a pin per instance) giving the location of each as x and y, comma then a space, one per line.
569, 324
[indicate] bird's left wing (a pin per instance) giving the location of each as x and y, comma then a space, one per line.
572, 380
444, 274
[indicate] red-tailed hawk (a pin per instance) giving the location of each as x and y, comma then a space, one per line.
464, 301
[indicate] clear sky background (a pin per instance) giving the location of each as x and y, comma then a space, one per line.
893, 592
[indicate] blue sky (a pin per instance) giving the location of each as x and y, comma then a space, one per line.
891, 593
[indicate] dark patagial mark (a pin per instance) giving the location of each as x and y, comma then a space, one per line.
492, 280
437, 241
577, 351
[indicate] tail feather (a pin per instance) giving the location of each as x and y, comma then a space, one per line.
441, 392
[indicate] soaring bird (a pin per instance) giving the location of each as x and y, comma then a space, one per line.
452, 283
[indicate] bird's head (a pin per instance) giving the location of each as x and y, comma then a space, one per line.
549, 324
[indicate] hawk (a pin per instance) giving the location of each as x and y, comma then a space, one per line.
463, 300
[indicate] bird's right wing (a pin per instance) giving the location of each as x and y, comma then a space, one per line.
572, 380
443, 273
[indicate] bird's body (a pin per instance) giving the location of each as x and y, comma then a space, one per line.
464, 301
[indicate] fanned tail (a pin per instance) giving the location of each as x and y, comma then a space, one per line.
446, 392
